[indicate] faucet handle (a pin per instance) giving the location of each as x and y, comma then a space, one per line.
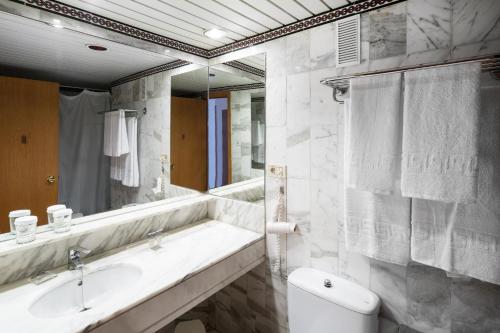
154, 239
79, 251
154, 234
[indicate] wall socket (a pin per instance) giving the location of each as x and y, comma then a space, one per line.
276, 171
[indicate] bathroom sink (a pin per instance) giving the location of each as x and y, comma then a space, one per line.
98, 286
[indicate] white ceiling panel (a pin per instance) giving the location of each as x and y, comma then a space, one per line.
315, 6
186, 20
336, 3
292, 7
33, 49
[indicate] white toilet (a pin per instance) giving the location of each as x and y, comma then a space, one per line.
319, 302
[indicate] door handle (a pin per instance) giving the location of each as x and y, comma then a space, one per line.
51, 179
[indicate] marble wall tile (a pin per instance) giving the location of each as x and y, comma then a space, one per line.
475, 21
388, 31
429, 25
298, 57
324, 152
389, 282
353, 266
323, 108
428, 298
241, 135
475, 307
324, 243
322, 46
243, 214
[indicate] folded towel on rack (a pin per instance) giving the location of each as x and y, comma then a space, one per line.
375, 225
374, 133
378, 225
464, 238
440, 133
115, 134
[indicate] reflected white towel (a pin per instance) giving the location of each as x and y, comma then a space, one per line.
375, 225
115, 134
465, 238
440, 131
258, 133
374, 130
130, 161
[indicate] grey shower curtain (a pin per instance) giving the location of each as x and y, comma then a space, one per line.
83, 168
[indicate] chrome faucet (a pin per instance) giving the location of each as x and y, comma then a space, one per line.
75, 255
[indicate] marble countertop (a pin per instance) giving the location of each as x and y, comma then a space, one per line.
184, 253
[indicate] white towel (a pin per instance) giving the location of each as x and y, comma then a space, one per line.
258, 133
465, 238
130, 162
115, 134
374, 155
440, 131
376, 225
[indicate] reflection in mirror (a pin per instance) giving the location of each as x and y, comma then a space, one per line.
188, 135
76, 129
219, 145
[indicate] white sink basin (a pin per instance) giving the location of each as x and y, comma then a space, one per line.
98, 286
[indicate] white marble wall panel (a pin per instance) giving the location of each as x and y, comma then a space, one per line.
429, 25
388, 31
242, 214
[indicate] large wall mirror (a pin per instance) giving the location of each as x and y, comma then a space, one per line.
78, 127
103, 128
218, 129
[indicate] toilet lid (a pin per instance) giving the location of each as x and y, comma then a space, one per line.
192, 326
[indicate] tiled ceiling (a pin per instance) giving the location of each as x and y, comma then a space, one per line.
186, 20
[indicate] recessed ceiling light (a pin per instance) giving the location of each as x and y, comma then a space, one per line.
214, 33
94, 47
57, 24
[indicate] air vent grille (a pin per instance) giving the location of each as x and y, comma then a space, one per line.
348, 41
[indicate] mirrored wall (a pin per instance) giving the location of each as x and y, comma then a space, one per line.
218, 129
104, 128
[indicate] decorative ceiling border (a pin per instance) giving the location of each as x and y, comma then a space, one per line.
358, 7
57, 7
240, 87
150, 71
246, 68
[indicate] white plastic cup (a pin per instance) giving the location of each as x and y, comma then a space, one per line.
62, 220
13, 215
25, 229
50, 214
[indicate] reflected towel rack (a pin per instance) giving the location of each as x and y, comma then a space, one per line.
133, 113
340, 84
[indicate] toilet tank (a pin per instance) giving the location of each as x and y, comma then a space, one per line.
343, 307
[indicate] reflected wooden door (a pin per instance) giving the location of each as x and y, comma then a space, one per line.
29, 147
188, 143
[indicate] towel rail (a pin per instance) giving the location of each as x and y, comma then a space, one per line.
134, 113
340, 84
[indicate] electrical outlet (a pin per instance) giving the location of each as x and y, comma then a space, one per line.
276, 171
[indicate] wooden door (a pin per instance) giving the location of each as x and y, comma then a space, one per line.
188, 143
29, 147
